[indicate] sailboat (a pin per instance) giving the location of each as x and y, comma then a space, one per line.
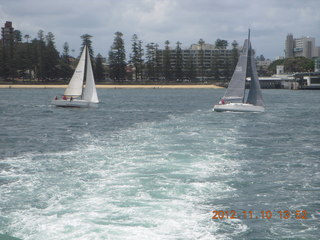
77, 94
234, 97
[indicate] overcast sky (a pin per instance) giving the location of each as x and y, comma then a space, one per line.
159, 20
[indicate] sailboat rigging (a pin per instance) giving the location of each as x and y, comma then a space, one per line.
77, 94
234, 97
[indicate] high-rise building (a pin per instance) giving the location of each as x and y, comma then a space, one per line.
300, 47
204, 60
289, 46
7, 33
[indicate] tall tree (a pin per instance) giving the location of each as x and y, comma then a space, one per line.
167, 70
179, 62
28, 56
201, 57
99, 71
221, 44
86, 40
136, 56
151, 61
65, 68
17, 36
158, 61
234, 55
65, 53
51, 58
39, 51
117, 58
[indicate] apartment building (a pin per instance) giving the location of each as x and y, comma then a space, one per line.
300, 47
7, 34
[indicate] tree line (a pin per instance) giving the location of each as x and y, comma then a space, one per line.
38, 59
170, 64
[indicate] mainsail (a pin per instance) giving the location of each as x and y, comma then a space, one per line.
75, 85
235, 91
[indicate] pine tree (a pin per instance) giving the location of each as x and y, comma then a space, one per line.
51, 57
117, 59
65, 54
136, 57
179, 62
201, 56
234, 55
167, 71
86, 40
99, 71
65, 68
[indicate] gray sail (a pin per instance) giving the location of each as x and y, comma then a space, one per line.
236, 88
255, 94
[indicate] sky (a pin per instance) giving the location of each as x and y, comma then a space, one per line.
156, 21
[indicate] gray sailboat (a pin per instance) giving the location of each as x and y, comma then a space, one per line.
234, 97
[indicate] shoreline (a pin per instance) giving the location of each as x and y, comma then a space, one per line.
114, 86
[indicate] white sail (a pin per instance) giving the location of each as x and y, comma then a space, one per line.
75, 85
85, 97
90, 92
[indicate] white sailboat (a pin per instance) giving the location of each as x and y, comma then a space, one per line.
77, 94
234, 97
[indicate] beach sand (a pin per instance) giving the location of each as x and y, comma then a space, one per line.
109, 86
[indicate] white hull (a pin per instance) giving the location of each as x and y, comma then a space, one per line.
73, 103
237, 107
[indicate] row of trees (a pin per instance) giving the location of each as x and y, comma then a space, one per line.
169, 64
39, 59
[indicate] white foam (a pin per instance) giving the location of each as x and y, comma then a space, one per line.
150, 181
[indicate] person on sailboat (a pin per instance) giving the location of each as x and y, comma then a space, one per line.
64, 97
222, 101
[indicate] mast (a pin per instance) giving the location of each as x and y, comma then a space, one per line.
248, 59
85, 70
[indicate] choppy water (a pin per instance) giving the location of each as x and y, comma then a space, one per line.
155, 163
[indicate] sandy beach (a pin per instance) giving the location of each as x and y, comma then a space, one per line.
109, 86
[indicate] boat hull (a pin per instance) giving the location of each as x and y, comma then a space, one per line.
237, 107
73, 103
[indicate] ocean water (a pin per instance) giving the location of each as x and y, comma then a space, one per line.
156, 164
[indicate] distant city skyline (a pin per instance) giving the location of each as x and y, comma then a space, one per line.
160, 20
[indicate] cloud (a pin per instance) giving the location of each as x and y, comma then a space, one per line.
159, 20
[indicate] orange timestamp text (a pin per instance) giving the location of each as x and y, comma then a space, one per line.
282, 214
